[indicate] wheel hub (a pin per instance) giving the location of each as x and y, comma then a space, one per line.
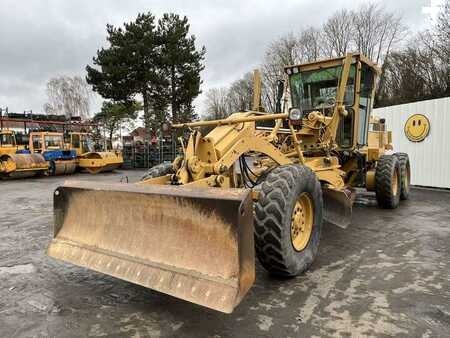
302, 222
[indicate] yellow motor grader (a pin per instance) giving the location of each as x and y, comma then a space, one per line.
257, 183
16, 161
93, 161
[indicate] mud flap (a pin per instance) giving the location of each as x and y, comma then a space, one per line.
194, 244
338, 206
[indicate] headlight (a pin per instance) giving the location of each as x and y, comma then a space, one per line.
295, 114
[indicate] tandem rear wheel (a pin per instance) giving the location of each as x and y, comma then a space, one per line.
392, 180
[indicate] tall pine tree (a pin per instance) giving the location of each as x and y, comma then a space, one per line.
181, 65
130, 65
161, 64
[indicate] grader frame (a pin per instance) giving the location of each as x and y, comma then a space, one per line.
187, 228
210, 161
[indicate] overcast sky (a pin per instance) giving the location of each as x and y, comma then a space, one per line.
43, 39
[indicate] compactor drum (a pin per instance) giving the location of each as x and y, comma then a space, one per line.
50, 145
190, 229
15, 162
90, 160
22, 165
98, 162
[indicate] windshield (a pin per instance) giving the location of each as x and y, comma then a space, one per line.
317, 88
7, 139
54, 141
87, 144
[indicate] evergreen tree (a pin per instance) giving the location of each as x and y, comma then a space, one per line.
113, 114
181, 65
161, 64
129, 66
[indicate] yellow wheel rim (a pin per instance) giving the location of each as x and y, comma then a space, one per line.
302, 222
395, 183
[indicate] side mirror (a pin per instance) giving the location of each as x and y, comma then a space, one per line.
280, 92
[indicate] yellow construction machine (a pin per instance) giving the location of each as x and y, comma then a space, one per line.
16, 161
92, 161
257, 183
61, 161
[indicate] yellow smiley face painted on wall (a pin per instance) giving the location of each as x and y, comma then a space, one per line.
417, 128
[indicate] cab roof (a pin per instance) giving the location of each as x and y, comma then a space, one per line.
333, 62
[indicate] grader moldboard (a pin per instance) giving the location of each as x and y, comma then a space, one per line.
191, 229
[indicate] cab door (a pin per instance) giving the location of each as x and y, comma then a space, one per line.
366, 97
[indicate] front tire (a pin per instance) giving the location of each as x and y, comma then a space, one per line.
387, 182
405, 174
158, 170
288, 220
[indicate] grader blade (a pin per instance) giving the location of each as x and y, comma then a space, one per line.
194, 244
338, 206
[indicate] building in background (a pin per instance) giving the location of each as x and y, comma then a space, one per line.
422, 129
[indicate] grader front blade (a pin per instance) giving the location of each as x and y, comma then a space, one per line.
194, 244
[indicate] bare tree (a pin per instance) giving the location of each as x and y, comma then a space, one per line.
376, 31
413, 74
420, 71
442, 33
240, 94
310, 42
217, 105
370, 29
69, 96
338, 33
284, 51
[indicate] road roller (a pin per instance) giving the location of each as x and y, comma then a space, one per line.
16, 161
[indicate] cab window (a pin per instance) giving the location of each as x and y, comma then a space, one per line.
312, 90
7, 140
37, 142
75, 141
365, 102
53, 141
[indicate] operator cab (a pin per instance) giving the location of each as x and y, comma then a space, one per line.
7, 139
314, 87
43, 141
82, 143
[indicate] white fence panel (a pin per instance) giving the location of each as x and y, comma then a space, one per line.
430, 159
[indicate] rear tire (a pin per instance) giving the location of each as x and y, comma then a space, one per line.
276, 235
158, 170
387, 182
405, 175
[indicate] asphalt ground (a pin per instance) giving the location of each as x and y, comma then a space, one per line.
388, 274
